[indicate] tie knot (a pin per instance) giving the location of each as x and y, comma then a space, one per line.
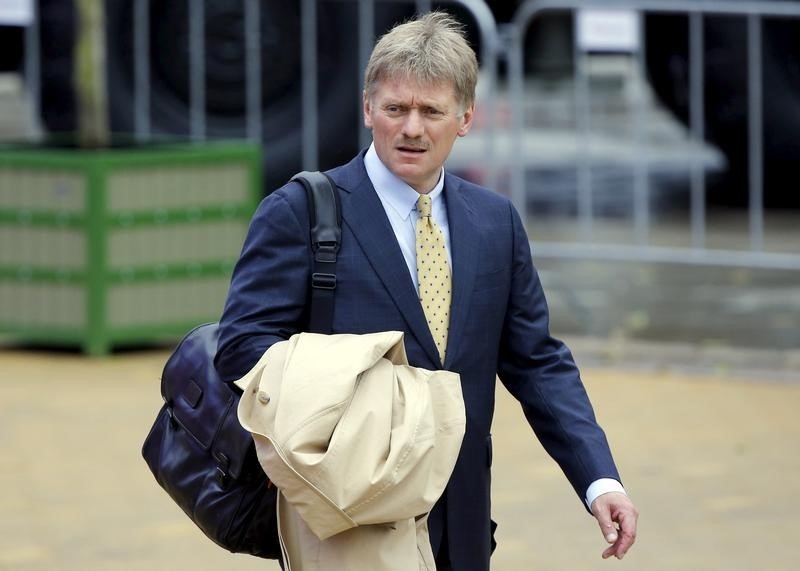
424, 206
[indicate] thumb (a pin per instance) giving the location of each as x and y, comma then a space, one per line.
609, 532
607, 527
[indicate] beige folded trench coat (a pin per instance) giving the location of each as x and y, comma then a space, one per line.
359, 444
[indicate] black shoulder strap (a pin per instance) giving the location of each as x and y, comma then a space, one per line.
325, 214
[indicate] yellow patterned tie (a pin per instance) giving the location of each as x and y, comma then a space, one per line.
433, 274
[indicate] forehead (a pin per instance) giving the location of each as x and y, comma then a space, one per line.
408, 91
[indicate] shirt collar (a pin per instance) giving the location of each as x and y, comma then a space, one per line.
392, 189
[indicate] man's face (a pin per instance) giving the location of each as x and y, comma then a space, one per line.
414, 127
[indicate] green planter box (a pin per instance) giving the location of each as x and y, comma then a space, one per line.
120, 246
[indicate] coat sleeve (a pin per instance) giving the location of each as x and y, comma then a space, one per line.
269, 288
541, 374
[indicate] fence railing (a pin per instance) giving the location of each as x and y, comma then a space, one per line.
507, 44
696, 252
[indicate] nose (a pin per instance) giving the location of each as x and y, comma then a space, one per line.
413, 127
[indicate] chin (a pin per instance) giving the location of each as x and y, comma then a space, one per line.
411, 178
404, 170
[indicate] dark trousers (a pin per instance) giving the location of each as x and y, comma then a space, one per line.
443, 563
442, 557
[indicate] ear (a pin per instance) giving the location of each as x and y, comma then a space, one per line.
466, 120
367, 108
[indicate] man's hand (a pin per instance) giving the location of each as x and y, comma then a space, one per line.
617, 517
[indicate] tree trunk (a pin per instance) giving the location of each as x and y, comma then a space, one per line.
90, 77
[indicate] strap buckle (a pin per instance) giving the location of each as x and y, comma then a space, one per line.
325, 251
323, 281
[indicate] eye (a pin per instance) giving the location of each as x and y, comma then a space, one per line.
433, 112
393, 109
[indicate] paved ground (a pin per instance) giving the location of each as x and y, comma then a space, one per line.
712, 462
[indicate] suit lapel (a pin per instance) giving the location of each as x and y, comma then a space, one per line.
364, 215
464, 245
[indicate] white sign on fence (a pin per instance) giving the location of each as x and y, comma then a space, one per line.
16, 12
608, 30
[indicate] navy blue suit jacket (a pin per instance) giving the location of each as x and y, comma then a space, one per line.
498, 326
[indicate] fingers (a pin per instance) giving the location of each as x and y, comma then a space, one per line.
617, 518
609, 552
607, 527
626, 536
613, 538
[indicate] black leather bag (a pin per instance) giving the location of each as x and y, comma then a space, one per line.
196, 449
204, 459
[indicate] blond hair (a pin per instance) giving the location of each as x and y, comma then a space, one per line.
431, 50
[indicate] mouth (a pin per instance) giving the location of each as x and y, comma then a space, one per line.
414, 150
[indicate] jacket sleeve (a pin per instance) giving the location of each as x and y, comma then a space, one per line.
267, 297
541, 374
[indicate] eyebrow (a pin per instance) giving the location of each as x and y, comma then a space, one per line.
422, 105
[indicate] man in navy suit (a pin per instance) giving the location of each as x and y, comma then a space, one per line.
418, 98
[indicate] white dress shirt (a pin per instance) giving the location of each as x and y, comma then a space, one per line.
400, 203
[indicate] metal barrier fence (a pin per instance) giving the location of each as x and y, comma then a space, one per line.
310, 87
585, 245
508, 44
